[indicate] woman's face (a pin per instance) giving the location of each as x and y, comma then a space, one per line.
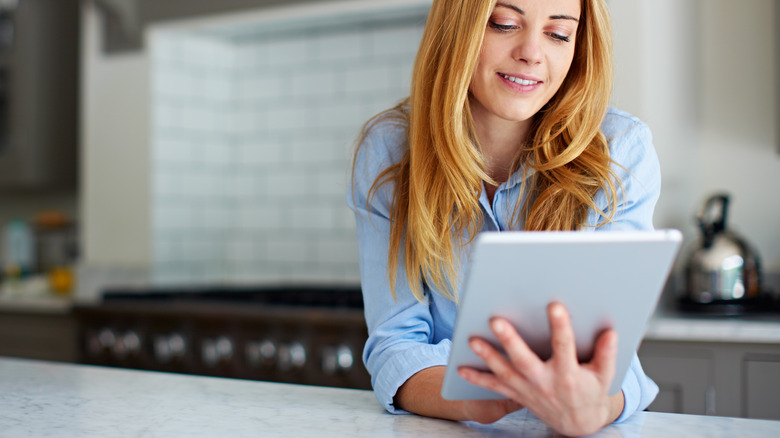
526, 54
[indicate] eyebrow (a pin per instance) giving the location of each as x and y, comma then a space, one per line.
522, 12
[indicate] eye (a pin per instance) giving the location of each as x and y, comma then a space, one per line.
558, 37
501, 27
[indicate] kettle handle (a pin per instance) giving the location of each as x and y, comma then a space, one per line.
711, 225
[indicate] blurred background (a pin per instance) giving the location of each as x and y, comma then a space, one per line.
183, 145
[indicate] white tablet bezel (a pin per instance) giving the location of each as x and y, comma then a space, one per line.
605, 279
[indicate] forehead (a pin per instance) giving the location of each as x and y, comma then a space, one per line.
551, 7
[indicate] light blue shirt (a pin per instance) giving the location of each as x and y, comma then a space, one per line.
407, 336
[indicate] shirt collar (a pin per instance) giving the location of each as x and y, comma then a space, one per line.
517, 177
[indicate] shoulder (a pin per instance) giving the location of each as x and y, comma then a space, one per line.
630, 140
383, 141
619, 126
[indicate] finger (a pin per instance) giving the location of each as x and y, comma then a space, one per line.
604, 356
489, 381
520, 354
564, 347
497, 363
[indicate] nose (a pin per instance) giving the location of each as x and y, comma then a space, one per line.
528, 48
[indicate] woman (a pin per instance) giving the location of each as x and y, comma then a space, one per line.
506, 127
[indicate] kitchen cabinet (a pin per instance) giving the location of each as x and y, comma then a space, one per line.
39, 79
762, 387
34, 334
714, 378
685, 378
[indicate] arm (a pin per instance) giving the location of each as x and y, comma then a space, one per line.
421, 394
631, 146
405, 362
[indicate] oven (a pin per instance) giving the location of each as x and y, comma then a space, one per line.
305, 335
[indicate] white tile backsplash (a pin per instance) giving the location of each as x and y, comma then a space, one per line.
252, 145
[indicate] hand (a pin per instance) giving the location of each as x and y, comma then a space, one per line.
568, 396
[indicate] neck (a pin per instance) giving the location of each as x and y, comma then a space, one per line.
499, 141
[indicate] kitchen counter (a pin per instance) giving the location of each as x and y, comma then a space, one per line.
678, 327
46, 398
42, 304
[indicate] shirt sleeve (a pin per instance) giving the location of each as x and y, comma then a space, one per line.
400, 331
639, 173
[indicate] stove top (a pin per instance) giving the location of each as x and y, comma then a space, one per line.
344, 297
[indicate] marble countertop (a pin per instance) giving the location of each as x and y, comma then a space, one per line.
672, 327
56, 399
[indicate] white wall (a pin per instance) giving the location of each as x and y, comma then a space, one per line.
701, 74
115, 152
252, 140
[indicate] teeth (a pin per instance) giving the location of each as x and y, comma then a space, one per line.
519, 81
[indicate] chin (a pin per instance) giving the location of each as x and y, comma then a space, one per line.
517, 116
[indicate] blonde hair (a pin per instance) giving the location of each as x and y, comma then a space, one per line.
435, 211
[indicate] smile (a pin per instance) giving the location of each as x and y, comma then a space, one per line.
518, 80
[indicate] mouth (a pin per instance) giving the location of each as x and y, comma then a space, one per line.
519, 81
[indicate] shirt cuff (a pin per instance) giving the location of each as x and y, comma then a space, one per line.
638, 391
401, 365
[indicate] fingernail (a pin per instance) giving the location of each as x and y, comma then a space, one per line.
476, 346
498, 326
557, 311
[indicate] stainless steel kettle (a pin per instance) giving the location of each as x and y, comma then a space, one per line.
722, 267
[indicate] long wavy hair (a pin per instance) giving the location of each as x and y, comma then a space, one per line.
435, 212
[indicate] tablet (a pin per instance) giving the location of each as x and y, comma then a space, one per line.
605, 279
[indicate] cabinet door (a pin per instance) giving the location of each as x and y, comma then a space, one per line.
684, 377
38, 336
762, 388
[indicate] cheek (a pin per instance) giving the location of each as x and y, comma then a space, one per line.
562, 68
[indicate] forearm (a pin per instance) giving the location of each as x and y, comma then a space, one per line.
421, 394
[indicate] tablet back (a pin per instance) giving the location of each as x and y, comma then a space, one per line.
609, 279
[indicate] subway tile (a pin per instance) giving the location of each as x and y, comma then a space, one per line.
287, 119
253, 216
338, 47
175, 218
249, 57
329, 182
368, 78
240, 185
266, 128
288, 248
308, 150
259, 152
343, 115
316, 83
164, 251
217, 153
288, 52
262, 87
395, 42
312, 217
341, 250
241, 251
283, 184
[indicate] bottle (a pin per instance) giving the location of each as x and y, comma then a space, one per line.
19, 248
